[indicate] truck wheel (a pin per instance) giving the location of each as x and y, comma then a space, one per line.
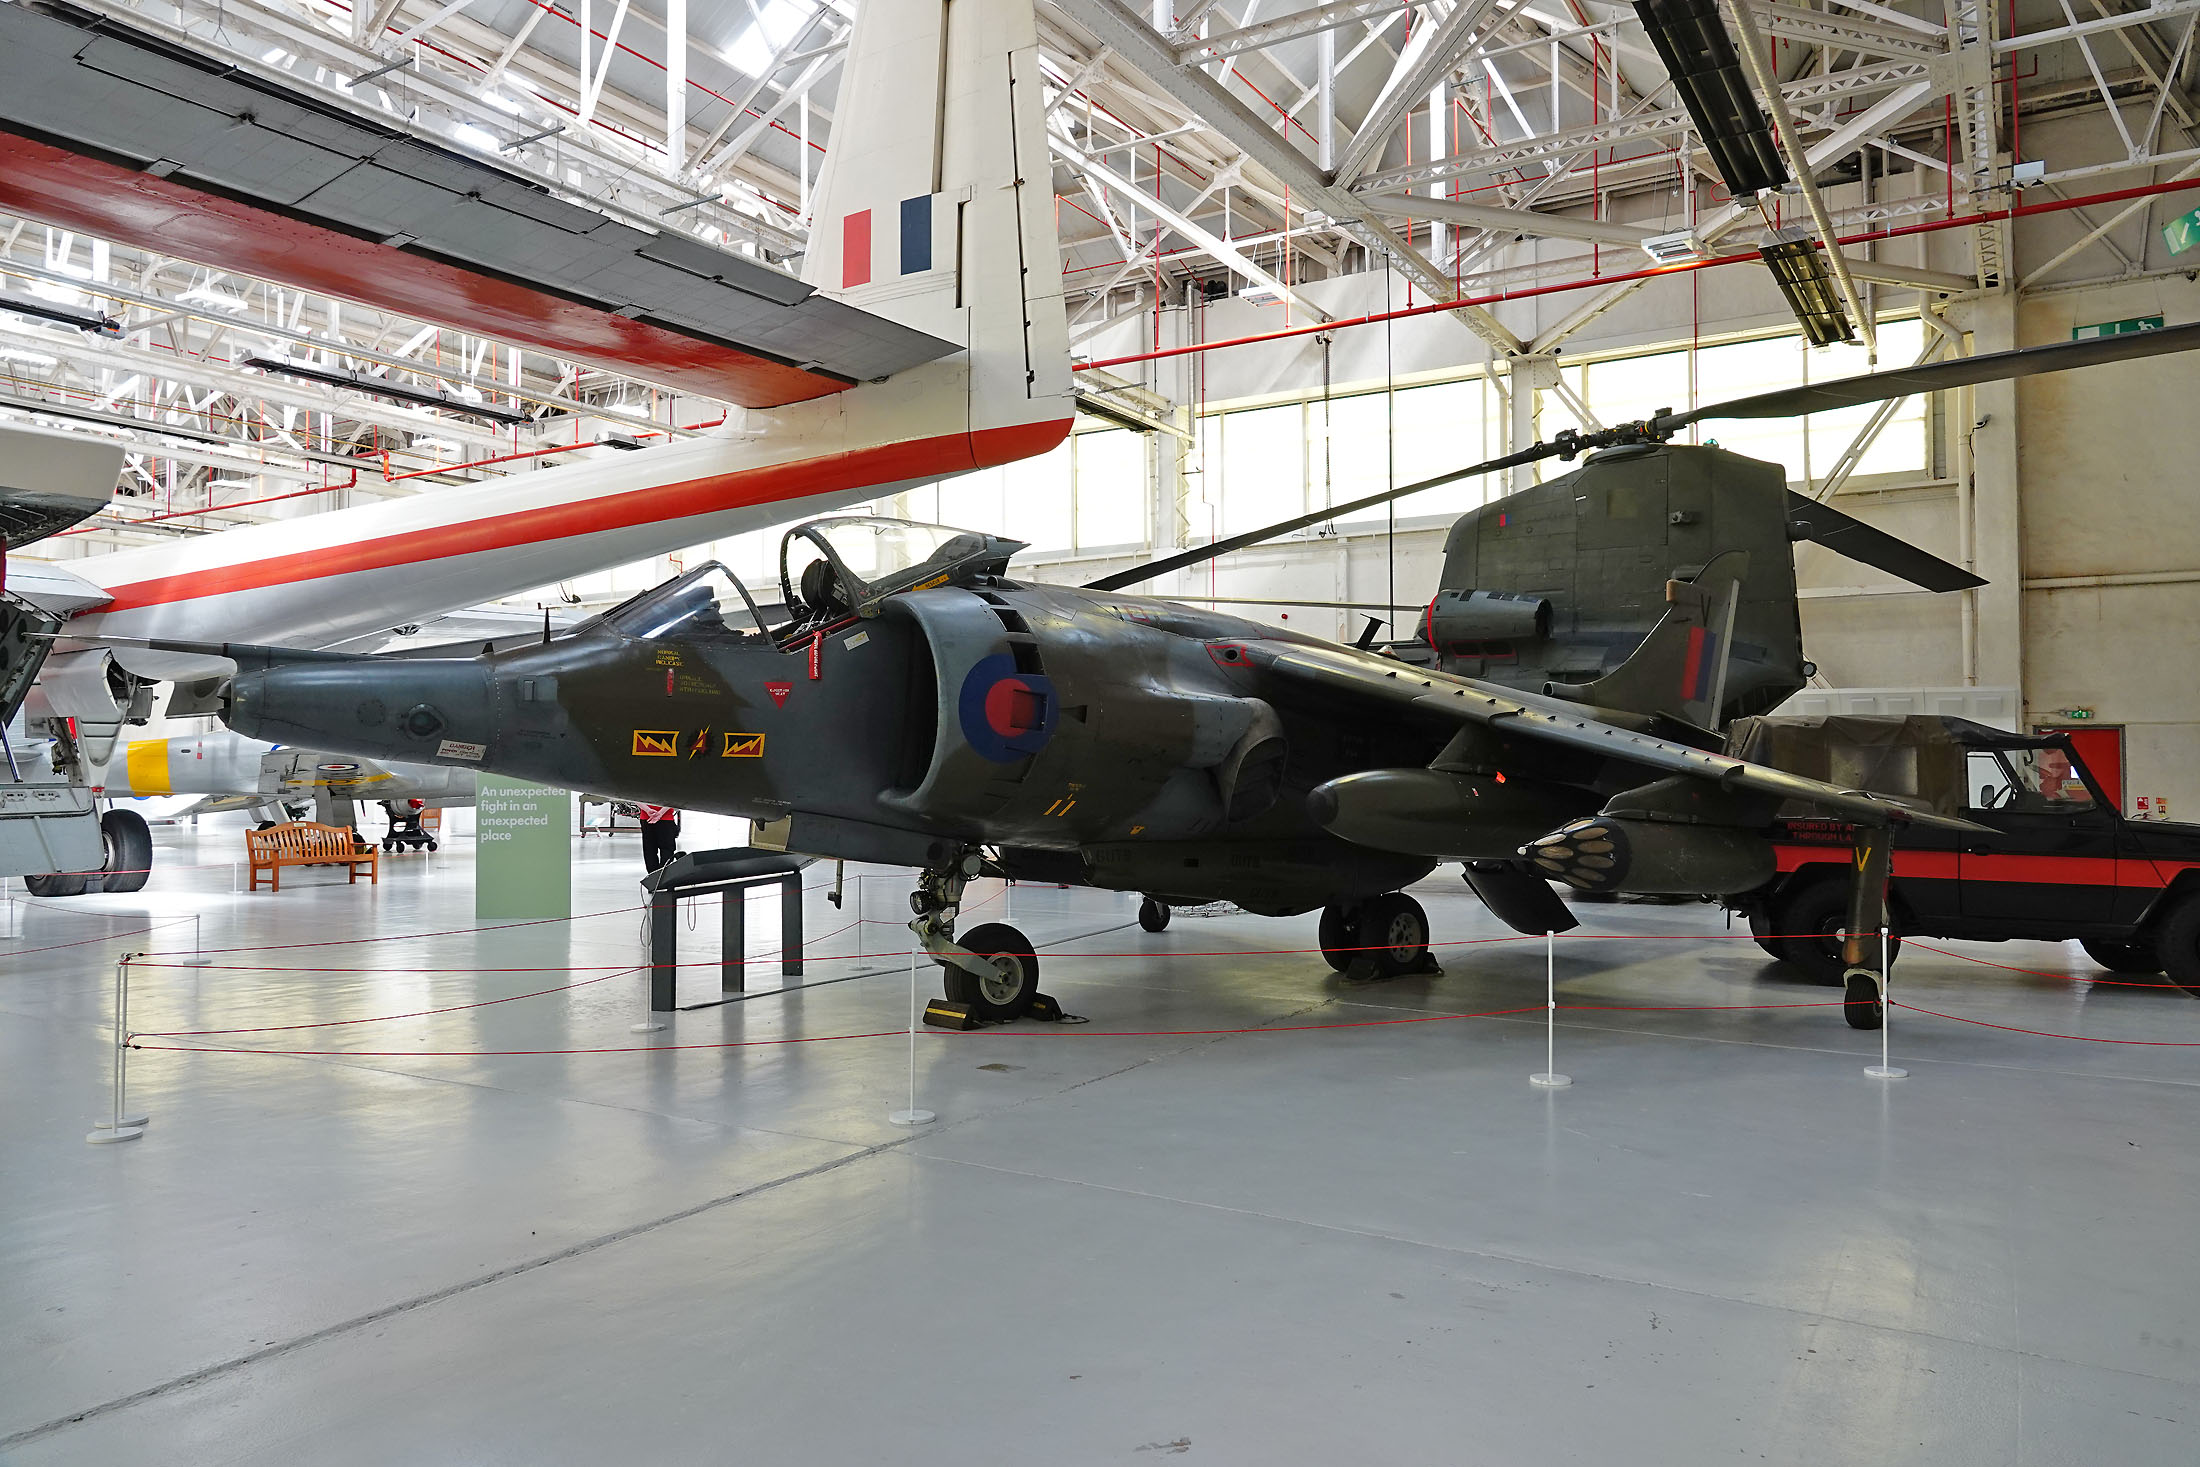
1809, 925
2178, 944
2137, 958
129, 850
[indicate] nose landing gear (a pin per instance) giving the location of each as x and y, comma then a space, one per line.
992, 971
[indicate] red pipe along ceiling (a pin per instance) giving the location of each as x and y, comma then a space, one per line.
2023, 211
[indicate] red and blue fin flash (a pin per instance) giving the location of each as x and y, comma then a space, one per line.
857, 238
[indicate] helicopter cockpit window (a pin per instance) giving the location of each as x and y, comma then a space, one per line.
706, 603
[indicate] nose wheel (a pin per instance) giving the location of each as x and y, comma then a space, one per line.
1005, 989
991, 970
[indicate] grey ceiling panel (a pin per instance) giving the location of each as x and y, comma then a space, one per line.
122, 93
374, 202
269, 164
522, 198
308, 125
444, 170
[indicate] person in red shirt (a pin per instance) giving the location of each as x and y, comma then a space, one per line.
660, 834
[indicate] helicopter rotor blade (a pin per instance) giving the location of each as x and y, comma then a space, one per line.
1198, 553
1828, 527
1822, 524
2000, 366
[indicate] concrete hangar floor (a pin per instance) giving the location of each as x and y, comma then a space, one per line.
1196, 1226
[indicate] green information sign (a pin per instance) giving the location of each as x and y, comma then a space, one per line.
523, 850
2117, 328
2182, 233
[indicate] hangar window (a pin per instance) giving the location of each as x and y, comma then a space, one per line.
1111, 488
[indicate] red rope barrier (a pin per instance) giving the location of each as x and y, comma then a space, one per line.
1076, 1031
2041, 972
2049, 1033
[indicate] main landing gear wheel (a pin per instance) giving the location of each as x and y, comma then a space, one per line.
1861, 1003
1007, 991
1388, 933
129, 850
2136, 958
1152, 915
2178, 943
1340, 934
1394, 932
1810, 924
1761, 930
58, 883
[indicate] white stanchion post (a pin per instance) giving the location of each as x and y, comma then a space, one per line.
197, 957
912, 1116
1884, 1070
120, 1127
1550, 1079
12, 927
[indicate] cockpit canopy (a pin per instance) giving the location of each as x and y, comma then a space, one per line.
707, 602
845, 566
828, 569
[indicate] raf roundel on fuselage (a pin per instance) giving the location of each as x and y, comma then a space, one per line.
1006, 715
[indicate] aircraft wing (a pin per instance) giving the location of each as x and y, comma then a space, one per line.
1381, 686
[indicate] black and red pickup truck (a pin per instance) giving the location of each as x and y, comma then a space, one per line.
2062, 862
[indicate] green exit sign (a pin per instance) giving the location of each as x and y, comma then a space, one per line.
2182, 233
2117, 328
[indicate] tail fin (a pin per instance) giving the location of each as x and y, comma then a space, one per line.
937, 193
1679, 671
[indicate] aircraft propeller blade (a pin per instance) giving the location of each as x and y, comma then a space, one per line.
1822, 524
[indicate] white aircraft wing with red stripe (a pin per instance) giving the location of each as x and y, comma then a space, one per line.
912, 209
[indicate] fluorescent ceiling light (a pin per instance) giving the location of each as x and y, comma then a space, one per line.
439, 445
25, 358
232, 483
220, 300
478, 138
1673, 249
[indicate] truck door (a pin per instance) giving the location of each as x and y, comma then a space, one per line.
2051, 862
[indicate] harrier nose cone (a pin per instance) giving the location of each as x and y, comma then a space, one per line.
404, 708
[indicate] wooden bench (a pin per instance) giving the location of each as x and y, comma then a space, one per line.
306, 843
